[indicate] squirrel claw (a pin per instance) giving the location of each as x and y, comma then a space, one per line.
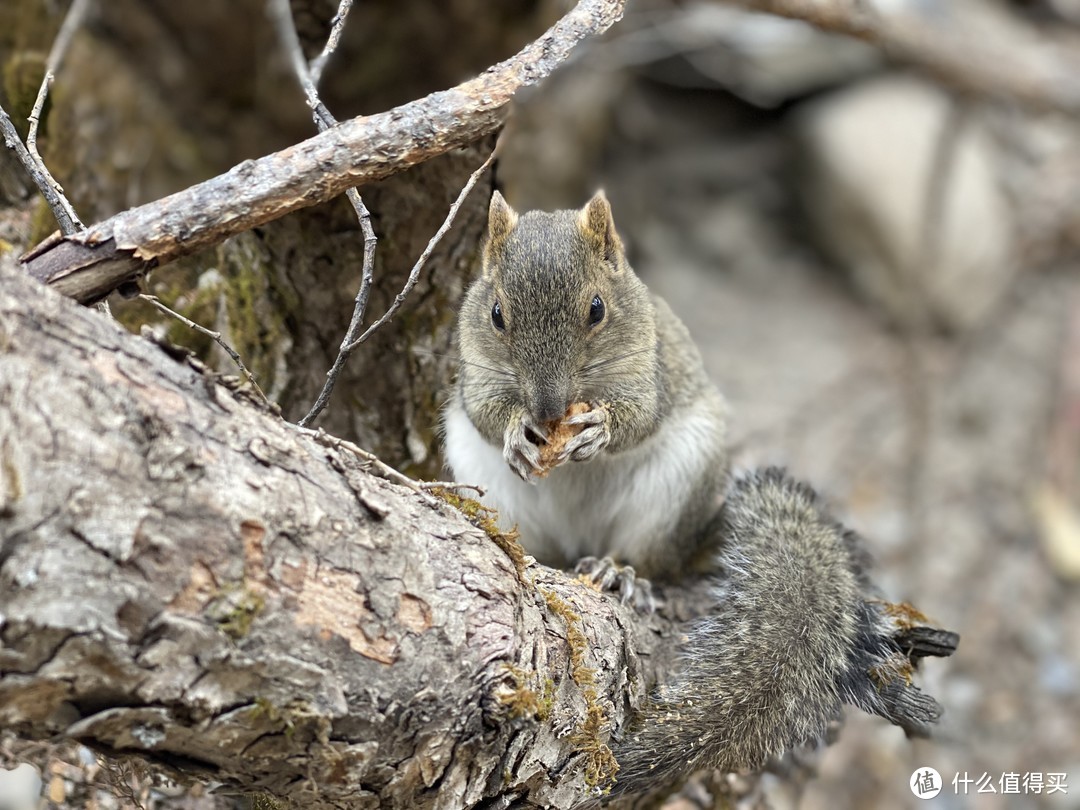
597, 416
522, 455
593, 438
609, 576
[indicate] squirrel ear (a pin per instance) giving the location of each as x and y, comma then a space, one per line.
598, 226
501, 219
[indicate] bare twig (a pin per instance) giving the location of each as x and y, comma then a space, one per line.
414, 274
308, 74
1001, 65
63, 210
216, 337
42, 179
372, 462
348, 346
283, 20
337, 25
451, 486
281, 12
355, 321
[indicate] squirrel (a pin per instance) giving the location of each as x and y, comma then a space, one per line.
557, 317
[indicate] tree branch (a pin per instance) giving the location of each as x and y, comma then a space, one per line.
62, 208
1004, 61
281, 12
249, 378
89, 265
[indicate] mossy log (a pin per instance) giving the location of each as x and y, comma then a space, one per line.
186, 577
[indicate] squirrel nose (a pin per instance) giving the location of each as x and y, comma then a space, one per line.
549, 405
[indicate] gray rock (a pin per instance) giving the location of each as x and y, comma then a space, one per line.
20, 788
873, 164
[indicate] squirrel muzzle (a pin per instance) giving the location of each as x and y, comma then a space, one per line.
549, 402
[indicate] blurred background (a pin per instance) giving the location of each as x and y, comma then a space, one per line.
873, 241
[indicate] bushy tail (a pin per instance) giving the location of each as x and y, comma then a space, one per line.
798, 630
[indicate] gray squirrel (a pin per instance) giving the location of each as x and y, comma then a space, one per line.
558, 335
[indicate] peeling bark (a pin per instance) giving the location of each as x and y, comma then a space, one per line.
190, 579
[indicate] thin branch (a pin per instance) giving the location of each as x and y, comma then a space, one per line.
216, 337
414, 274
66, 217
1013, 62
371, 461
281, 12
337, 25
450, 486
348, 346
41, 177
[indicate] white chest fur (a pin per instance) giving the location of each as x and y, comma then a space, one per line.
612, 505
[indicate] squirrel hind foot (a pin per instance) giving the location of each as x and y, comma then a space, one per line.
606, 575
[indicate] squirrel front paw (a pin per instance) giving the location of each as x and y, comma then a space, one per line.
594, 436
520, 449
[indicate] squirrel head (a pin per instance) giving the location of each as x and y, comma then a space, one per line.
557, 315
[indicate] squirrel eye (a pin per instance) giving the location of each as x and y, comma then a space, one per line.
596, 310
497, 317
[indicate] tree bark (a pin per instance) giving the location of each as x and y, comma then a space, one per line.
190, 579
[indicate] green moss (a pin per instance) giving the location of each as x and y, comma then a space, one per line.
235, 611
522, 700
42, 221
583, 676
487, 519
600, 764
28, 25
547, 700
259, 305
290, 718
264, 708
236, 291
